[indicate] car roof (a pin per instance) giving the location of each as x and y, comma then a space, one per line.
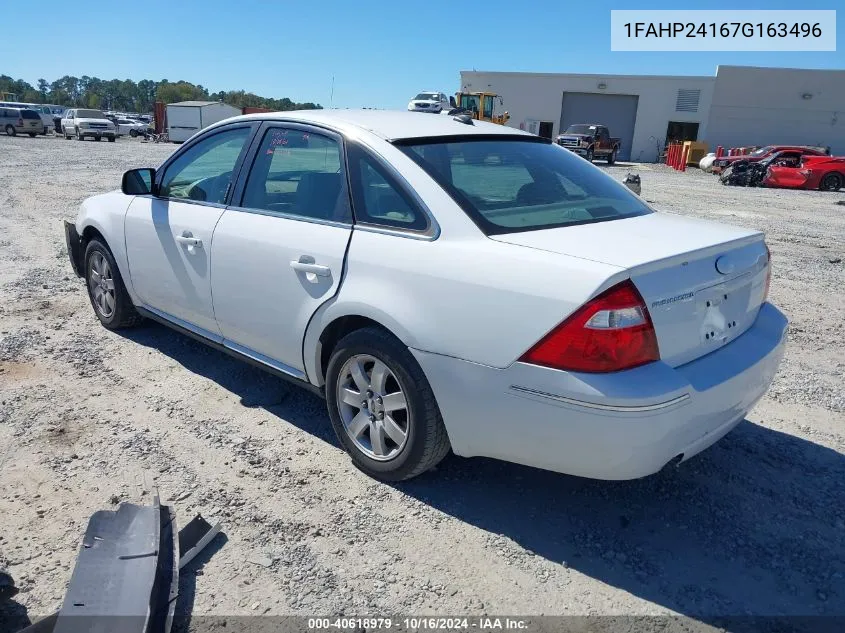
391, 125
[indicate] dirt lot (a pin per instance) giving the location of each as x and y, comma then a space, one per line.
89, 418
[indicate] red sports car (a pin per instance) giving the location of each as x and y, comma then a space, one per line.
826, 173
765, 152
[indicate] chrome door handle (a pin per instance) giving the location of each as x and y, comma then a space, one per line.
189, 240
314, 269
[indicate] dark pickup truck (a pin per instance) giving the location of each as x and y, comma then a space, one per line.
590, 141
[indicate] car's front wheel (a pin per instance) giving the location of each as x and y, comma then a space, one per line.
108, 295
79, 136
382, 408
10, 130
589, 155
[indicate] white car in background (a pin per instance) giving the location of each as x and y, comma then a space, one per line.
445, 284
435, 102
130, 127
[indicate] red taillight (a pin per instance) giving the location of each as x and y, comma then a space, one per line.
611, 332
768, 271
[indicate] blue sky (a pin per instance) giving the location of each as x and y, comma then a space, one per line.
380, 53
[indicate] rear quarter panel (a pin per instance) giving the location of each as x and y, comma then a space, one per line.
477, 300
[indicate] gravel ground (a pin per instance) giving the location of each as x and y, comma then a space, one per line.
89, 418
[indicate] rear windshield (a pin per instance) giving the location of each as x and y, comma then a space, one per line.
508, 186
30, 114
90, 114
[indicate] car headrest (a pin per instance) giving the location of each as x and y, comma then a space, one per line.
318, 196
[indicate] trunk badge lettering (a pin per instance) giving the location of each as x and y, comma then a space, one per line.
675, 299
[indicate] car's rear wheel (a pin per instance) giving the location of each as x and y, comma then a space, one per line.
98, 138
108, 295
831, 182
32, 134
10, 130
611, 157
382, 408
111, 139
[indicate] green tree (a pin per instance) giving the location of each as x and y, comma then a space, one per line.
130, 96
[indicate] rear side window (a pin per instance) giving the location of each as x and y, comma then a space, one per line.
511, 185
378, 198
30, 114
298, 172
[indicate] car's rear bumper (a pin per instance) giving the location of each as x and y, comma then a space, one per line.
606, 426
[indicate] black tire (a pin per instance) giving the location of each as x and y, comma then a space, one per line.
111, 139
831, 182
611, 158
589, 155
98, 138
67, 136
79, 137
123, 314
32, 134
133, 133
427, 442
10, 130
44, 132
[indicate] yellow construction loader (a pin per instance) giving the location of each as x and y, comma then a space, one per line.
482, 106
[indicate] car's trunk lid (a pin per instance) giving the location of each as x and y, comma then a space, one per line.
703, 283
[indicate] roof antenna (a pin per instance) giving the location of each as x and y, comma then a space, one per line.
331, 98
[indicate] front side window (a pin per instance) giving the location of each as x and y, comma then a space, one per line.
203, 172
511, 185
300, 173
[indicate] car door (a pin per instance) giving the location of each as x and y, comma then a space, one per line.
278, 253
67, 122
169, 235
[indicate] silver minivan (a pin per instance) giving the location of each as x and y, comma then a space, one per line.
20, 121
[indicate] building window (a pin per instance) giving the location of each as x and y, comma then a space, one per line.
687, 100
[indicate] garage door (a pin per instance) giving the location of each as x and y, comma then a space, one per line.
617, 112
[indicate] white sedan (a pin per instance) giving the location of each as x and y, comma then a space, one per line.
130, 127
445, 284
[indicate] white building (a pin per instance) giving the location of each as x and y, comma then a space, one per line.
739, 106
186, 118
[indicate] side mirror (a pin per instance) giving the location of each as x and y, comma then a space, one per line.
138, 182
452, 102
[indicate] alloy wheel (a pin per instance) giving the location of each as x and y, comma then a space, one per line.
101, 283
373, 407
